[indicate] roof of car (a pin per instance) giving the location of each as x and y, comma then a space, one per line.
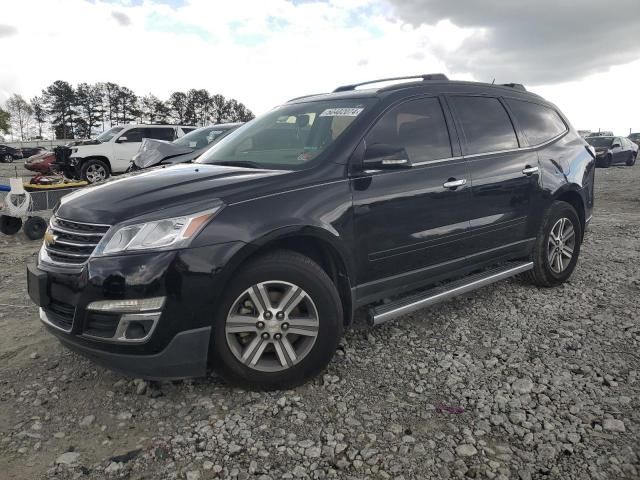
351, 91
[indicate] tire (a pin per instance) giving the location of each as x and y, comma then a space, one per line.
94, 171
10, 225
546, 271
34, 228
8, 158
632, 161
320, 310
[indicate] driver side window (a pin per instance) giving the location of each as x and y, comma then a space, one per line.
418, 126
132, 136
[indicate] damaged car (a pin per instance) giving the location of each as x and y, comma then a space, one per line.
185, 149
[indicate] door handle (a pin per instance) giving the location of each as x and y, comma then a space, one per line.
529, 170
453, 183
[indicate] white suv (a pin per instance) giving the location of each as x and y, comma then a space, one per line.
111, 152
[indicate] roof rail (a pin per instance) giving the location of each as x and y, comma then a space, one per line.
430, 76
517, 86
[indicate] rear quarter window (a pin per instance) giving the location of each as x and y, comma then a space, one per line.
539, 123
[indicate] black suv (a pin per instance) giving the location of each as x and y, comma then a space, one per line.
253, 259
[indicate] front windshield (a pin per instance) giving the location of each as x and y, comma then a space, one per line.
288, 137
109, 134
201, 137
599, 141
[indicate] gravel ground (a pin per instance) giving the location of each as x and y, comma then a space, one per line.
510, 382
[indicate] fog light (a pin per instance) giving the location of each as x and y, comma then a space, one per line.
127, 306
137, 327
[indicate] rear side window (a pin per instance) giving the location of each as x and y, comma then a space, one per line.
168, 134
418, 126
539, 123
485, 124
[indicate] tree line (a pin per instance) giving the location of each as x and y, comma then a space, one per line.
82, 111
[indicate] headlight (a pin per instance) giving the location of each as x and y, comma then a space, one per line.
166, 234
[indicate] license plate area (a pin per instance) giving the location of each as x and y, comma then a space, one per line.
37, 286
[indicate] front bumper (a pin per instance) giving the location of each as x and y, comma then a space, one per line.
190, 280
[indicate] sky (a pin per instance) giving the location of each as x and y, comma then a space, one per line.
583, 55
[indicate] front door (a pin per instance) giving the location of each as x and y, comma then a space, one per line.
411, 222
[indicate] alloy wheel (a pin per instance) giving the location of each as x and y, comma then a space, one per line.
272, 326
8, 158
96, 173
561, 244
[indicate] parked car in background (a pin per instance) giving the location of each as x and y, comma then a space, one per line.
9, 154
604, 133
30, 151
635, 138
41, 162
185, 149
111, 152
611, 150
254, 258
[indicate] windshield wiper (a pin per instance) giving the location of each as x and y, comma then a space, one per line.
237, 163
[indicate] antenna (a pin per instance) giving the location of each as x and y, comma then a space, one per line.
493, 81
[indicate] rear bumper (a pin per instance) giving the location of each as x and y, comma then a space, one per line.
184, 357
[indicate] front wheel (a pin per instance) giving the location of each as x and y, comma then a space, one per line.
8, 158
94, 171
279, 324
557, 246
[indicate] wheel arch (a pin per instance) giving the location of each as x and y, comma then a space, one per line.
571, 194
97, 157
312, 242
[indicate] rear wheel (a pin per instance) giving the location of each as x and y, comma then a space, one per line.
279, 324
557, 246
94, 171
10, 225
8, 158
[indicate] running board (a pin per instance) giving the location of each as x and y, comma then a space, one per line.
389, 311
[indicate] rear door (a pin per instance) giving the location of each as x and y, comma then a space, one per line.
505, 180
408, 224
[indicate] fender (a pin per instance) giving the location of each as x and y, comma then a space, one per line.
290, 231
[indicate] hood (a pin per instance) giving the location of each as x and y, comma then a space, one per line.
154, 190
39, 157
152, 152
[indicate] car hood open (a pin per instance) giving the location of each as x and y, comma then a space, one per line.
152, 152
140, 193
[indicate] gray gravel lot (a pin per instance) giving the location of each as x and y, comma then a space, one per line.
509, 382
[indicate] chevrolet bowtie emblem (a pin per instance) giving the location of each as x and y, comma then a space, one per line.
49, 238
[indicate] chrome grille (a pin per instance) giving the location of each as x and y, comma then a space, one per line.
72, 242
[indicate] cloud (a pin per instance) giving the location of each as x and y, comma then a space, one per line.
121, 18
7, 30
533, 42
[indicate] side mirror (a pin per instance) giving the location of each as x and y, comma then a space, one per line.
122, 139
382, 156
616, 145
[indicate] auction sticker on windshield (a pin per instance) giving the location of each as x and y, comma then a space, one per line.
341, 112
